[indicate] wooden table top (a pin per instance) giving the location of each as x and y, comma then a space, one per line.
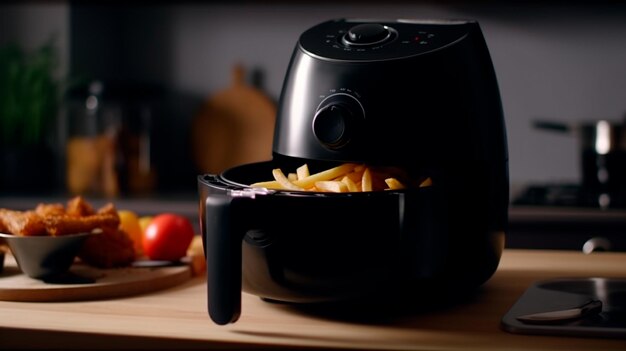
177, 319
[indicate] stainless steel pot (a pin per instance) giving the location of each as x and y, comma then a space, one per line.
602, 147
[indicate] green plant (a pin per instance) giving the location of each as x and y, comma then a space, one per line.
29, 94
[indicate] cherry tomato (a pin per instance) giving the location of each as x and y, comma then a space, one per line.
167, 237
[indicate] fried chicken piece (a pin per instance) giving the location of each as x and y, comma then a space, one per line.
79, 217
79, 207
3, 227
26, 223
50, 209
67, 224
112, 248
108, 209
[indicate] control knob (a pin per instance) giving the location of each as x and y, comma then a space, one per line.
366, 34
338, 120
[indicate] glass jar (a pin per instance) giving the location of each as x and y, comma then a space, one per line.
91, 148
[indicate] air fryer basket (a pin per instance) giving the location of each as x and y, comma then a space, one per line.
317, 247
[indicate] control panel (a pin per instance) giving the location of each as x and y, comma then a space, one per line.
372, 40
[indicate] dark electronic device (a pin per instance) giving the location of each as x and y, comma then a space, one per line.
420, 96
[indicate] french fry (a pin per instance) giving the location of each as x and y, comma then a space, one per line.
366, 180
356, 175
283, 181
394, 184
348, 177
270, 184
303, 171
325, 175
331, 186
426, 182
352, 187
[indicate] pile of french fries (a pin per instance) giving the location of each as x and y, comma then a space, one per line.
348, 177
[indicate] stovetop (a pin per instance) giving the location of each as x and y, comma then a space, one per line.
568, 195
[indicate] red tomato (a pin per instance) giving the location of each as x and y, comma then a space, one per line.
167, 237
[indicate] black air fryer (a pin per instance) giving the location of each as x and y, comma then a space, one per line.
420, 96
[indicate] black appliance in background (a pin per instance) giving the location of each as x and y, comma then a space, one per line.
420, 96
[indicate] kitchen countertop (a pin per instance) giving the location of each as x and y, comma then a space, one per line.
177, 318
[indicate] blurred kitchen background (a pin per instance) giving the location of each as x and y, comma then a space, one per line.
152, 94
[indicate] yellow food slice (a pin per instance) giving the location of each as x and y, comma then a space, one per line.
129, 222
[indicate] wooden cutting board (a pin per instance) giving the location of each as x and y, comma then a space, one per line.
234, 126
105, 283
